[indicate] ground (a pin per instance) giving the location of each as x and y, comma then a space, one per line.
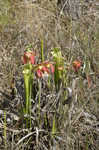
75, 31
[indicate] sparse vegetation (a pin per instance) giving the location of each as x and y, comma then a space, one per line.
51, 100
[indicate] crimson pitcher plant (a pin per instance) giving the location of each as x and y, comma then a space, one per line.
28, 60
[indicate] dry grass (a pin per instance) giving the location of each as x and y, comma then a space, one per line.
77, 123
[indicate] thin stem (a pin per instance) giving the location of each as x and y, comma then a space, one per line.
31, 81
39, 83
5, 132
42, 52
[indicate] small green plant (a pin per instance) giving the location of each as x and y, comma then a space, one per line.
28, 60
59, 67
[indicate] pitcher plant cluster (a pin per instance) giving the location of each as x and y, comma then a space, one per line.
55, 69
